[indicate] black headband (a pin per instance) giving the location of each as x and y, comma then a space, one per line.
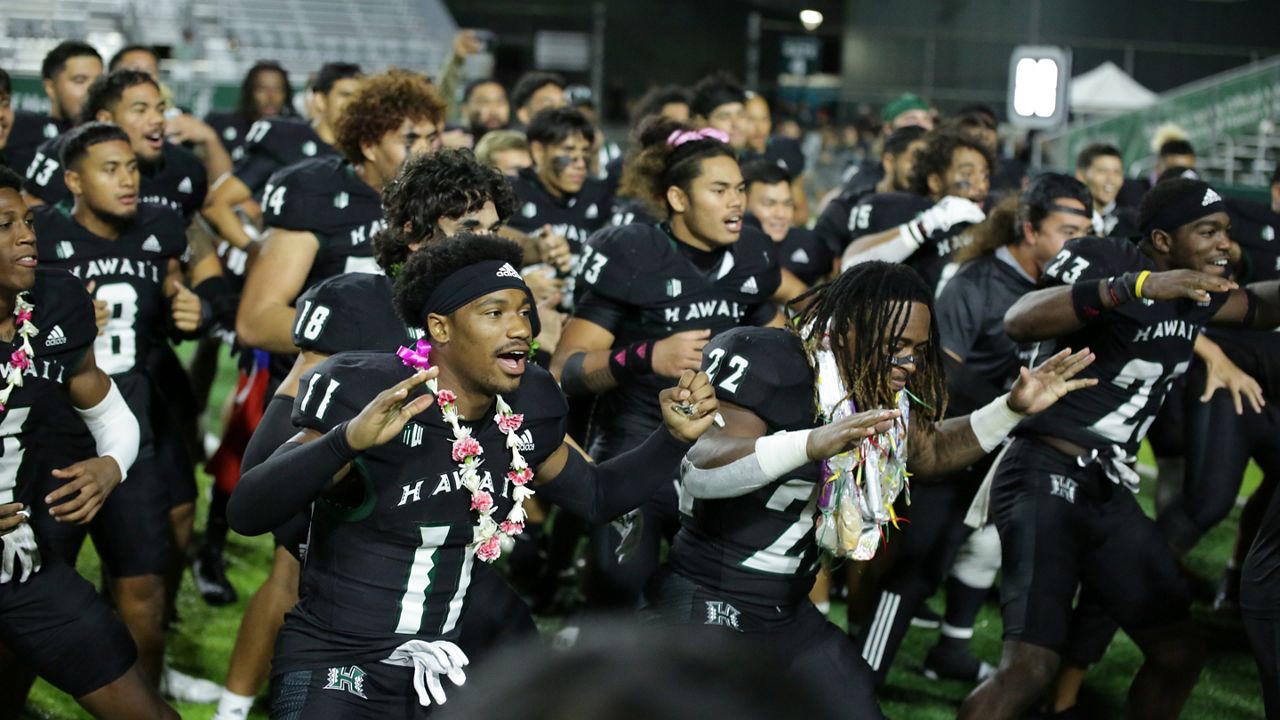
1197, 201
478, 280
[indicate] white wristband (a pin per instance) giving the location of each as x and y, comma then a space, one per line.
114, 428
993, 422
782, 452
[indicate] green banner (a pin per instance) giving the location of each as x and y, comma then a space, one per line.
195, 96
1211, 110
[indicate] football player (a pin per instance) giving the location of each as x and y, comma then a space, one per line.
68, 70
652, 296
51, 617
129, 253
1061, 494
925, 227
399, 521
770, 206
781, 151
444, 192
485, 107
265, 92
1101, 167
864, 358
535, 92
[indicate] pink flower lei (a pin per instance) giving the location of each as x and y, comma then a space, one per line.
21, 358
490, 537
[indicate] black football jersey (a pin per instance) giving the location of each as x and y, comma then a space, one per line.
1257, 352
783, 152
178, 181
30, 131
349, 312
39, 411
837, 221
275, 143
1141, 348
631, 210
390, 562
1121, 222
805, 255
575, 218
232, 128
325, 197
883, 211
128, 273
970, 316
638, 283
758, 547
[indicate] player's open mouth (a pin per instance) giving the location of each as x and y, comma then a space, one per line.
512, 361
1220, 263
128, 200
733, 223
26, 261
155, 138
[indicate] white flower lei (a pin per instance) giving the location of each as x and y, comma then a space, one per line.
21, 358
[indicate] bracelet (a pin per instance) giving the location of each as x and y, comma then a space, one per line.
1142, 278
993, 422
633, 360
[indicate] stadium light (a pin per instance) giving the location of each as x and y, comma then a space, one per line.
810, 19
1038, 79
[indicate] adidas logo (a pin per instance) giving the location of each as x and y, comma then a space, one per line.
151, 244
507, 271
309, 148
56, 337
750, 286
526, 441
341, 200
64, 249
185, 186
1210, 197
800, 256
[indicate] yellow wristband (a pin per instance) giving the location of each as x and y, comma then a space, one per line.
1142, 277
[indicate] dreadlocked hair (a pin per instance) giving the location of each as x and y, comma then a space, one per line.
863, 312
652, 165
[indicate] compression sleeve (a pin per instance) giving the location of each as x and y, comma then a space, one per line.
600, 493
115, 429
274, 429
291, 479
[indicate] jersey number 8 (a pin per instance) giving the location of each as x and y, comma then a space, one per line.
116, 349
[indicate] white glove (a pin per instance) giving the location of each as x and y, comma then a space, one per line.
430, 660
19, 549
947, 213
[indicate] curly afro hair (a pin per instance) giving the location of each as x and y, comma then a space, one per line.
381, 105
428, 267
935, 157
442, 184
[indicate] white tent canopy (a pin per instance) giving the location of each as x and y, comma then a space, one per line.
1107, 89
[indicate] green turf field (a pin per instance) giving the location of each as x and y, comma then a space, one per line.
1228, 688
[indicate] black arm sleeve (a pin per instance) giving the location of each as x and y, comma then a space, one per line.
291, 479
600, 493
274, 429
220, 300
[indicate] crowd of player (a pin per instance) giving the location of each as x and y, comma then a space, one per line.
491, 365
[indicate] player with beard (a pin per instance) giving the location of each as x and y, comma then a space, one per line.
838, 222
925, 227
415, 518
321, 215
747, 550
265, 92
446, 192
171, 175
129, 252
535, 92
1101, 167
53, 619
805, 259
1060, 494
273, 143
1006, 260
651, 298
485, 106
67, 71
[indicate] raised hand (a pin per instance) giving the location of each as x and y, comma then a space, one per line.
845, 434
949, 212
90, 481
1036, 390
689, 408
386, 415
679, 352
1190, 284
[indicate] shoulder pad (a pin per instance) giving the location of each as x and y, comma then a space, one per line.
337, 389
44, 174
64, 313
764, 370
1093, 258
290, 197
333, 315
614, 256
168, 227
